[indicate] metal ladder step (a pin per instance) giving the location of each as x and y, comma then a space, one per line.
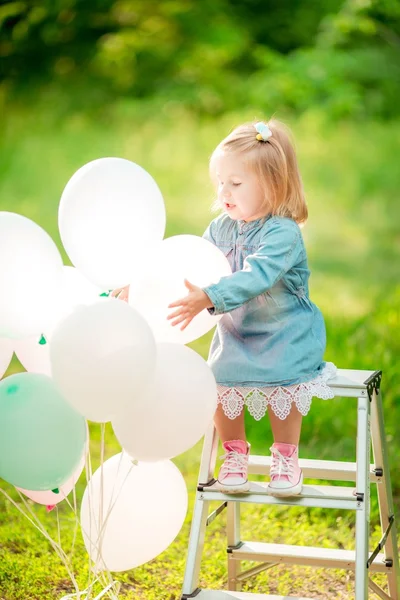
323, 496
351, 491
303, 555
315, 469
222, 595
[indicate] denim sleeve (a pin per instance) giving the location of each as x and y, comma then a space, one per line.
278, 252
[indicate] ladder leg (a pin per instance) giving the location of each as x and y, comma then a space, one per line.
200, 514
233, 539
196, 544
208, 455
385, 497
363, 488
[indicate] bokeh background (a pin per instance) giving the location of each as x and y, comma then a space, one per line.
161, 83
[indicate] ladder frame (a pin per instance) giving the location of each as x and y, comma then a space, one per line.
365, 386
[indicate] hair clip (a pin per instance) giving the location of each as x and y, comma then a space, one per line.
264, 132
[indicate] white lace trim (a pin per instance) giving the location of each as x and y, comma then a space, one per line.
280, 398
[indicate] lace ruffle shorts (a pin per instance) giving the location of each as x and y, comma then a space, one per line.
279, 398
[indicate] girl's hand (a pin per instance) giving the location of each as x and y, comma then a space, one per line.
190, 306
121, 293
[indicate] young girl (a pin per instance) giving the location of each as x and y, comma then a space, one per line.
267, 351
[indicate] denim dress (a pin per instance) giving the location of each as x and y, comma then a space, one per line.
269, 345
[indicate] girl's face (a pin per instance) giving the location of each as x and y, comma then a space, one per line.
239, 191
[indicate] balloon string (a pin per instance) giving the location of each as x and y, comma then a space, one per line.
38, 525
103, 519
35, 521
115, 584
89, 474
96, 544
57, 547
76, 525
58, 527
106, 575
101, 514
88, 590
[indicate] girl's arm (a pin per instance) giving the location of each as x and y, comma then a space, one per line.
279, 251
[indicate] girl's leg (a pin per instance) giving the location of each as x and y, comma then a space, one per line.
286, 477
232, 477
229, 429
286, 431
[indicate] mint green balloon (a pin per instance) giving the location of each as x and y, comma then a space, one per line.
42, 438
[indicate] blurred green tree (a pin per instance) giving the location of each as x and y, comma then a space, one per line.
212, 55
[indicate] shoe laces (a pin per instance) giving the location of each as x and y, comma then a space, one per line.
281, 465
234, 462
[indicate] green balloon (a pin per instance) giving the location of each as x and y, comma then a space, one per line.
42, 438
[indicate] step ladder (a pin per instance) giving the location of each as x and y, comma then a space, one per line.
365, 387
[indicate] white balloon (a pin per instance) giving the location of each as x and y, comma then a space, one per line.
160, 280
30, 277
142, 510
173, 413
77, 290
110, 212
33, 354
101, 356
6, 352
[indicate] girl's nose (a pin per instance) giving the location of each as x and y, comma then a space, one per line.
224, 192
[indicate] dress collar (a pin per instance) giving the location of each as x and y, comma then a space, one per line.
247, 225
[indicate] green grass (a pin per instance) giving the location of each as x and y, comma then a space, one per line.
352, 180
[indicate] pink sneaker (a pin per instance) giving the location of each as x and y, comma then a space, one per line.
232, 477
286, 475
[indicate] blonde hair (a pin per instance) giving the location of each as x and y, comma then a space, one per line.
275, 163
